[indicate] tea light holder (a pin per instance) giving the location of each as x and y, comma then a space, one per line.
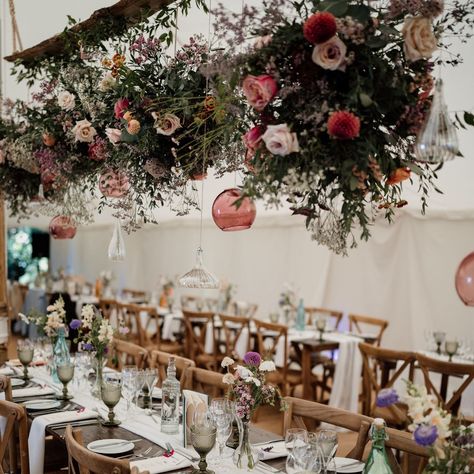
65, 374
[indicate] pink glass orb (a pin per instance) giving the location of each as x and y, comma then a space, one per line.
62, 227
114, 184
228, 216
198, 176
465, 280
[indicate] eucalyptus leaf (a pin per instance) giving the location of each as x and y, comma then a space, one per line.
336, 7
365, 99
469, 118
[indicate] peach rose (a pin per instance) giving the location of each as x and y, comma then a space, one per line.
166, 124
66, 100
133, 127
420, 41
49, 139
259, 90
84, 131
114, 135
399, 175
331, 54
279, 140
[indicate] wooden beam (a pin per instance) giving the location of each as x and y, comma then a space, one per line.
130, 9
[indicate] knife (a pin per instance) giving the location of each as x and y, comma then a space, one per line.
59, 426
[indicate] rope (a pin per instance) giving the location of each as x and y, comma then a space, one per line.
16, 39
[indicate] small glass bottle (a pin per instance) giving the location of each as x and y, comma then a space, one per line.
300, 317
171, 392
377, 462
61, 354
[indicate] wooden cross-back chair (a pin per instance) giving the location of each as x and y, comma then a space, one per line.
357, 322
232, 328
333, 315
205, 381
192, 303
84, 461
14, 441
159, 360
298, 410
244, 309
130, 317
127, 353
269, 337
447, 370
151, 336
129, 293
109, 310
197, 326
381, 369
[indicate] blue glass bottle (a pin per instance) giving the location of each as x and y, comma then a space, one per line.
300, 317
60, 353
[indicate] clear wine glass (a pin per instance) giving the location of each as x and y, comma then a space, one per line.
140, 382
328, 445
151, 378
295, 437
129, 386
221, 412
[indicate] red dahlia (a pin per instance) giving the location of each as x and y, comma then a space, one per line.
343, 125
320, 27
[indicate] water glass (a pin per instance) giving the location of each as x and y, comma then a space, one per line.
65, 371
25, 351
222, 415
439, 337
203, 438
451, 348
327, 440
111, 392
294, 438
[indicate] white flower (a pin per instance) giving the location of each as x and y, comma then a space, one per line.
253, 380
107, 83
87, 315
262, 41
227, 362
267, 366
24, 318
66, 100
330, 55
166, 124
243, 372
228, 379
84, 131
106, 332
279, 140
420, 41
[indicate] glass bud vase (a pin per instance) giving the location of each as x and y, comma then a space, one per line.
98, 366
60, 353
245, 457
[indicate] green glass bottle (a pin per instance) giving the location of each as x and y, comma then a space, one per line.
60, 353
377, 462
300, 317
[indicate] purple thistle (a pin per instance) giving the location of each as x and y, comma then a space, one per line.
426, 435
252, 358
88, 346
386, 397
75, 324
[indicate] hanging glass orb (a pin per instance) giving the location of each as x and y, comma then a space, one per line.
464, 280
229, 216
62, 227
116, 251
114, 184
437, 140
198, 276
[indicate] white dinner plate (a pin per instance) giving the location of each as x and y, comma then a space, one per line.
113, 446
17, 382
348, 465
47, 404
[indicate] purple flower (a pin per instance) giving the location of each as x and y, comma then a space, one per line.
252, 358
87, 346
75, 324
386, 397
106, 350
426, 435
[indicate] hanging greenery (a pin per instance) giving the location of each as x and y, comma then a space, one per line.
329, 100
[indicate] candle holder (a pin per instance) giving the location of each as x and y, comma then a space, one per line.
439, 338
111, 392
25, 353
321, 327
203, 438
451, 348
65, 374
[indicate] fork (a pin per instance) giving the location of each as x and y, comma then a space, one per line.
143, 455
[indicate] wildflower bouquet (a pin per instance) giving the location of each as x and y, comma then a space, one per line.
50, 323
451, 444
336, 92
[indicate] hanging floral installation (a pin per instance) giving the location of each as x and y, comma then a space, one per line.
322, 109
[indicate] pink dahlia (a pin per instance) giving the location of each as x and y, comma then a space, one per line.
121, 107
343, 125
320, 27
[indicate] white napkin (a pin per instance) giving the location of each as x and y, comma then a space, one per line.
161, 464
278, 451
7, 371
37, 434
32, 392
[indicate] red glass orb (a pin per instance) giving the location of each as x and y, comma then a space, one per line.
228, 216
62, 227
114, 184
465, 280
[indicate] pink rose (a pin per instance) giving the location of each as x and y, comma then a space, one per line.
121, 107
259, 90
253, 137
279, 140
331, 54
114, 135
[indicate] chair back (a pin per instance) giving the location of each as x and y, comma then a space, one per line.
358, 322
212, 304
381, 369
127, 353
242, 308
192, 303
269, 337
134, 295
130, 316
15, 435
232, 328
298, 409
196, 326
89, 462
159, 360
205, 381
109, 310
331, 314
446, 370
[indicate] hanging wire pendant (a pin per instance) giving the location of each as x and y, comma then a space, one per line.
117, 250
199, 277
437, 141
